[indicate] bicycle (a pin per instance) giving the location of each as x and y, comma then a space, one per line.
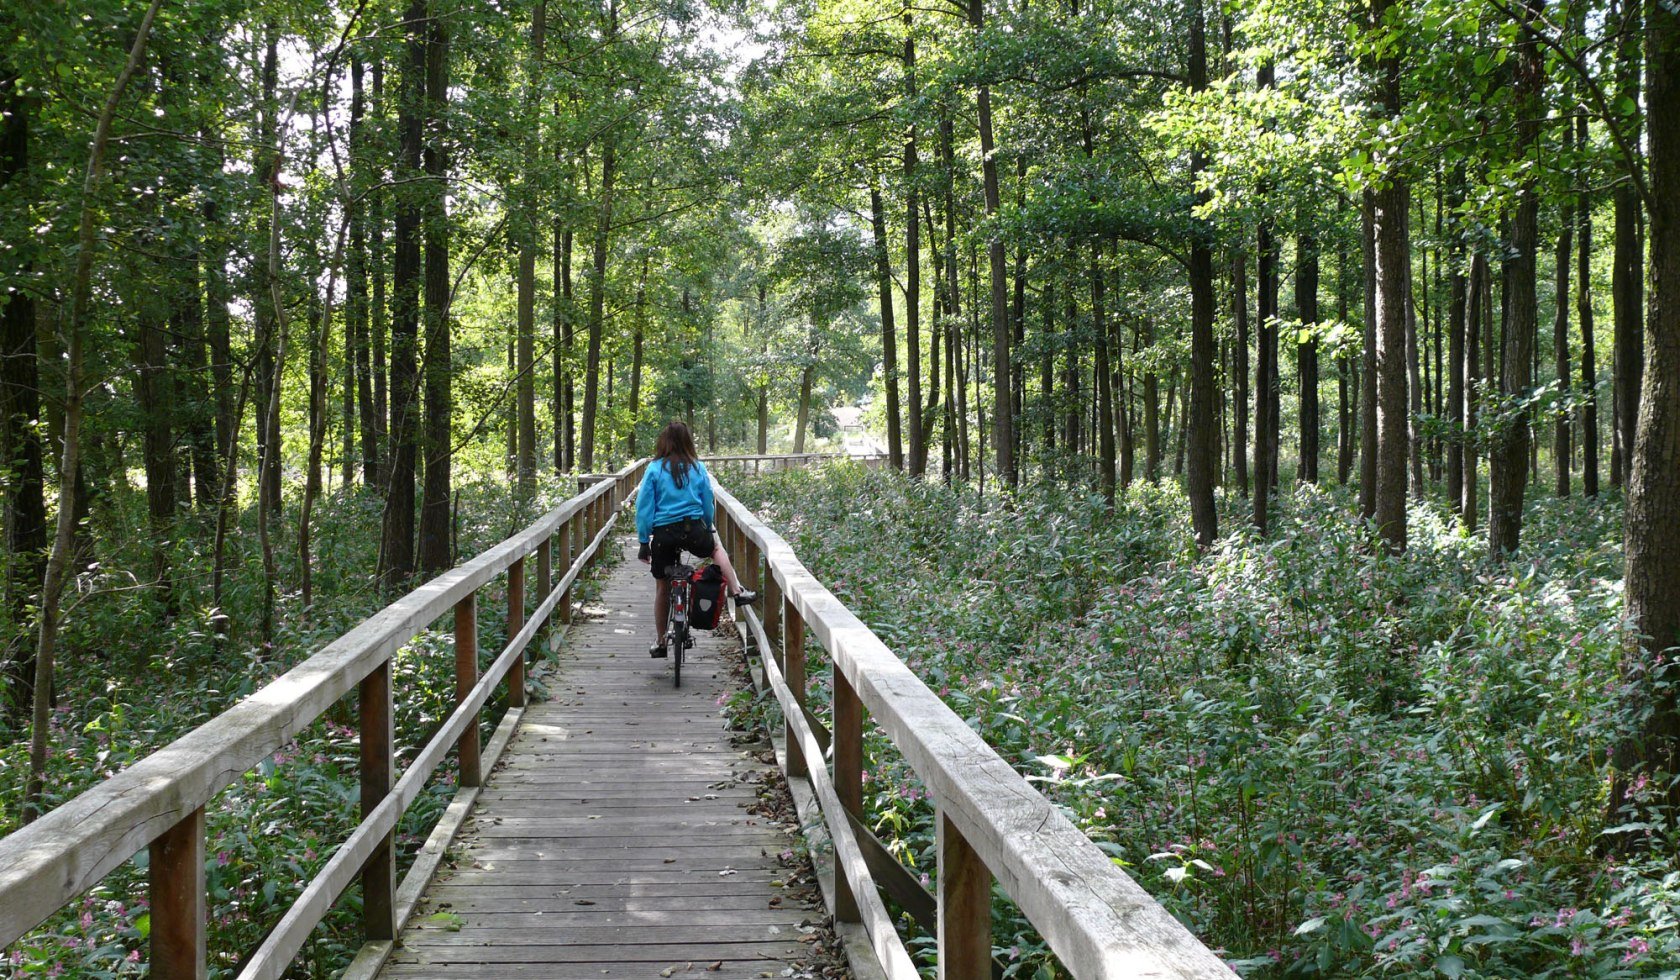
678, 635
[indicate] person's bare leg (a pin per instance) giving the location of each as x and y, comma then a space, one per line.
661, 609
720, 558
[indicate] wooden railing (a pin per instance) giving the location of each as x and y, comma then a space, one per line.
772, 463
991, 823
159, 803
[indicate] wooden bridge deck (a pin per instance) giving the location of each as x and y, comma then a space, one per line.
622, 833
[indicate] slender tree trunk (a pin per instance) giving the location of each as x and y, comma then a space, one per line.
917, 463
1510, 456
1306, 352
1239, 368
800, 427
1151, 411
1105, 385
156, 404
636, 358
889, 335
1415, 387
20, 408
81, 290
1584, 313
397, 548
1562, 449
597, 299
1457, 314
435, 556
270, 371
1627, 283
1004, 423
379, 315
1200, 435
1345, 378
565, 432
1266, 375
1368, 362
359, 319
527, 288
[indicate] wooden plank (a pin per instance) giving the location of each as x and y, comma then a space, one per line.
965, 907
176, 872
848, 778
466, 678
379, 874
515, 623
659, 953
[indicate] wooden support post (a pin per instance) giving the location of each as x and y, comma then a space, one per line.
965, 907
793, 669
466, 675
566, 557
848, 778
379, 874
545, 578
773, 615
516, 622
176, 873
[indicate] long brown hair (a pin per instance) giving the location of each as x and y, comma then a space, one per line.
675, 446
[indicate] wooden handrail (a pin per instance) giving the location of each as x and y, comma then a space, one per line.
159, 801
991, 821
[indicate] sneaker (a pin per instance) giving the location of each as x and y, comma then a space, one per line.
745, 597
657, 651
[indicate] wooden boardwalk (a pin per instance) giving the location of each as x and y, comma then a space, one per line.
622, 833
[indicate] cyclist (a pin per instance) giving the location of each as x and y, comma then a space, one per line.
675, 513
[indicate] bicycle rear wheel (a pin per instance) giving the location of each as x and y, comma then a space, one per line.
680, 634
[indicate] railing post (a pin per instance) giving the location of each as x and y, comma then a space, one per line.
466, 675
772, 613
565, 607
176, 873
793, 670
516, 622
965, 907
848, 778
379, 874
545, 578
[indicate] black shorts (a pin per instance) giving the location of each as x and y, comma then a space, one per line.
669, 541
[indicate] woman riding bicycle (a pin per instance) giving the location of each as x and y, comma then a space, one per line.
675, 513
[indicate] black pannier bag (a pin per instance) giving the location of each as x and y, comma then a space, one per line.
706, 598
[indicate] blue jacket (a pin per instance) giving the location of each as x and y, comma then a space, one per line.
661, 501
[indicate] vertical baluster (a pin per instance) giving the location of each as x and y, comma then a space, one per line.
565, 606
379, 874
772, 613
848, 778
965, 907
176, 873
516, 622
545, 579
793, 669
466, 675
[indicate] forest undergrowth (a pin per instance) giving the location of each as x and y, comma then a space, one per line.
1323, 759
134, 680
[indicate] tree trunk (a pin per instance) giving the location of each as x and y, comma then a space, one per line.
397, 546
1457, 332
1005, 425
378, 315
912, 265
636, 358
1105, 385
1200, 436
435, 552
597, 298
156, 403
20, 409
1653, 509
1509, 460
565, 433
58, 560
1368, 362
1345, 380
527, 289
1151, 411
1627, 282
1415, 386
1239, 367
1306, 352
1562, 450
889, 335
804, 409
1266, 374
360, 322
1584, 313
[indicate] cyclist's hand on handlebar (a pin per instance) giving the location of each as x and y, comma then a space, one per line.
645, 555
